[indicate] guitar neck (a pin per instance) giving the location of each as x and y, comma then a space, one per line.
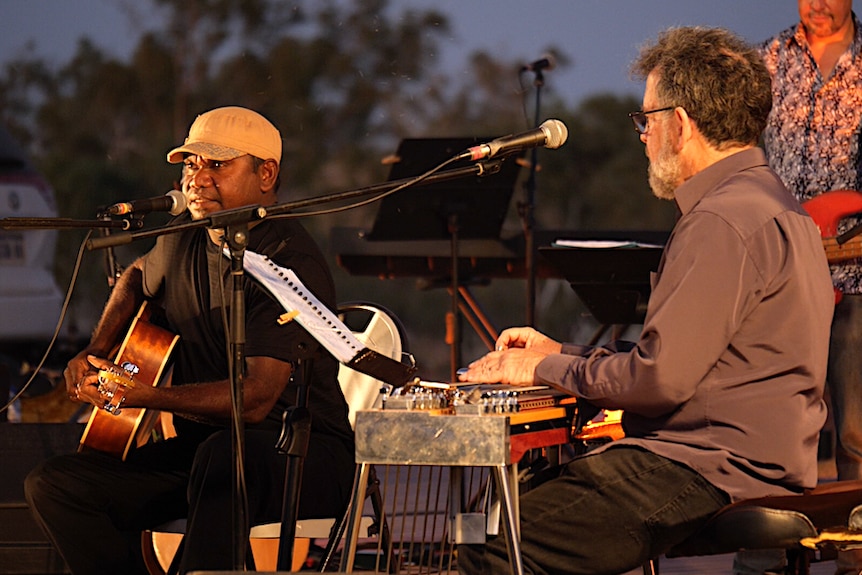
836, 253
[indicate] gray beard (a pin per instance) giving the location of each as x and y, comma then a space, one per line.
664, 172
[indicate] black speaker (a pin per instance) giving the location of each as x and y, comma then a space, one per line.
24, 549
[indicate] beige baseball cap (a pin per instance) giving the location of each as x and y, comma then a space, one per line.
230, 132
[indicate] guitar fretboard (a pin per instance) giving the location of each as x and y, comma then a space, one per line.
836, 252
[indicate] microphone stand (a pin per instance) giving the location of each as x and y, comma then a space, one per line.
236, 236
113, 270
528, 213
236, 223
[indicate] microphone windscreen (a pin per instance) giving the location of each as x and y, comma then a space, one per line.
181, 202
556, 133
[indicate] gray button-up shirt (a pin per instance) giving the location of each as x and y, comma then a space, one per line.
728, 374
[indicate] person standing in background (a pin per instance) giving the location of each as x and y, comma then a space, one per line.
812, 140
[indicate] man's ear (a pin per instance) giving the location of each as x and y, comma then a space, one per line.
268, 172
686, 127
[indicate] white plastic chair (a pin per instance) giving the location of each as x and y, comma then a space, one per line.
380, 330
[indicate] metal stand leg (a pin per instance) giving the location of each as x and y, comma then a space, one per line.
355, 514
293, 442
298, 421
379, 528
510, 519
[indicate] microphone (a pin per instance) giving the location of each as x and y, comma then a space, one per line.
546, 62
551, 134
174, 202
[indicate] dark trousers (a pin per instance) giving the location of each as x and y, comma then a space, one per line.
607, 513
93, 507
844, 380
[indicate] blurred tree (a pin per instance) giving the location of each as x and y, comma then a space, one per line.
344, 81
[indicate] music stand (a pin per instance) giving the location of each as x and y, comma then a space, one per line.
613, 283
470, 208
479, 202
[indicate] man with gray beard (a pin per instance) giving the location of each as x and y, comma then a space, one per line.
734, 343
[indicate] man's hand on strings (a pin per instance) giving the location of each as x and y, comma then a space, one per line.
83, 382
515, 366
518, 351
80, 375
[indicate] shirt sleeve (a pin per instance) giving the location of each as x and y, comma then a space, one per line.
704, 288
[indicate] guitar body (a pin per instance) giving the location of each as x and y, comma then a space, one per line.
827, 210
144, 351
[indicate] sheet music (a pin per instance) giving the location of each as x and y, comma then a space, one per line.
312, 315
603, 244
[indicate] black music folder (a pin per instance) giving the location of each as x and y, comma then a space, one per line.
479, 203
613, 281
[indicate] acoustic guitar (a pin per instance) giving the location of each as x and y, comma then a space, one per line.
142, 359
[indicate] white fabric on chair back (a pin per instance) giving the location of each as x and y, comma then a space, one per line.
379, 330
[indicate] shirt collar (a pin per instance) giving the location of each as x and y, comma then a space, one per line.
692, 190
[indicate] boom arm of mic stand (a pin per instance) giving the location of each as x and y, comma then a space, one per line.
59, 224
251, 213
478, 169
218, 220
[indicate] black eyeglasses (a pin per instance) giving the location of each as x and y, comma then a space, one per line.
639, 118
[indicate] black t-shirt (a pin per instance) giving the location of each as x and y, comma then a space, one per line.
185, 272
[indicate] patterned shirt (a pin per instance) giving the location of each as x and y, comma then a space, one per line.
812, 139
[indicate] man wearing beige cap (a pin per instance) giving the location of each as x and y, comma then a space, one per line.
94, 506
